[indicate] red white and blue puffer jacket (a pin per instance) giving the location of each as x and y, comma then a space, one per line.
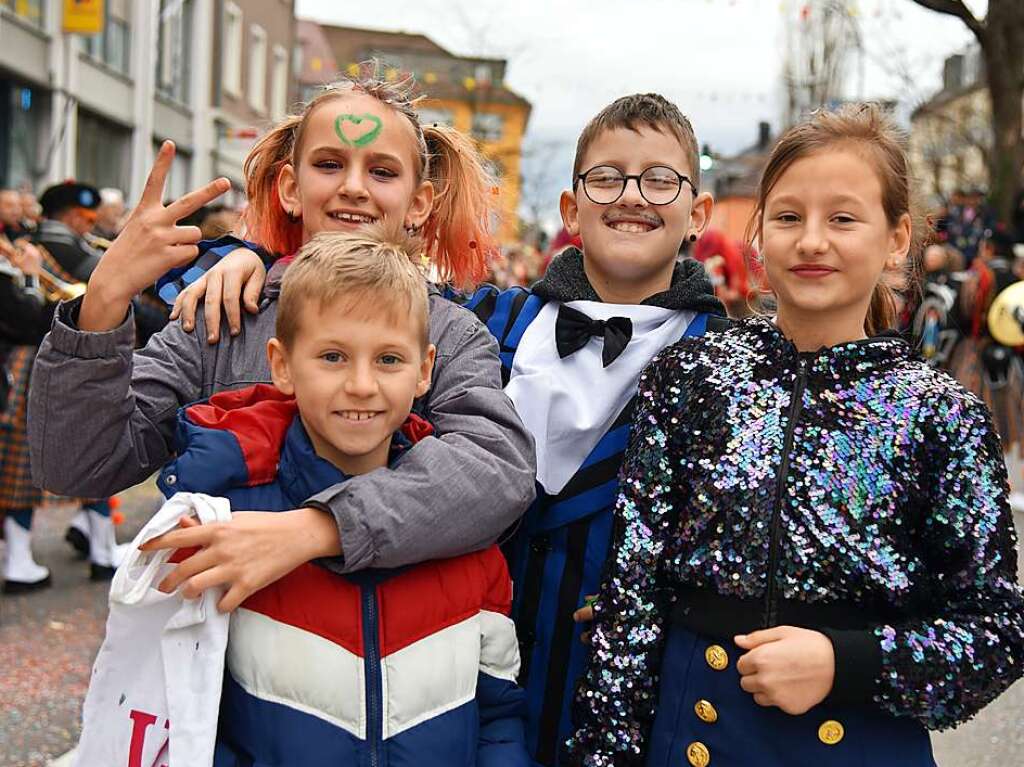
414, 666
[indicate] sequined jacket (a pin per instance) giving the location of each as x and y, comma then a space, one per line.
856, 477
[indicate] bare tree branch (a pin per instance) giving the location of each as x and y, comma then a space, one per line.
958, 9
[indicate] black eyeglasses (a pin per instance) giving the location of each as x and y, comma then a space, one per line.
659, 185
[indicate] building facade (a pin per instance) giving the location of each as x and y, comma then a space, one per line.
96, 107
951, 132
251, 82
467, 93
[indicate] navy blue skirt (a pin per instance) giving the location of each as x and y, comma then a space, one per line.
705, 718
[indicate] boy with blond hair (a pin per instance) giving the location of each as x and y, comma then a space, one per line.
414, 666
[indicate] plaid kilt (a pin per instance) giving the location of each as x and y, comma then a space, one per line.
16, 488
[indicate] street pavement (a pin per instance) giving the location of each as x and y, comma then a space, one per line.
48, 641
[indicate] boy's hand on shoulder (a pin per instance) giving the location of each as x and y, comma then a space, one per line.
788, 667
253, 550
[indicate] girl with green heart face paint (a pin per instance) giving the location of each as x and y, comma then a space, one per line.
448, 199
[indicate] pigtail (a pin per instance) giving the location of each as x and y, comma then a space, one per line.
265, 219
882, 312
458, 233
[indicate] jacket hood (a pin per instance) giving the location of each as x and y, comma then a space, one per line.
691, 290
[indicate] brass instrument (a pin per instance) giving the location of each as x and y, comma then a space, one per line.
57, 289
51, 286
102, 244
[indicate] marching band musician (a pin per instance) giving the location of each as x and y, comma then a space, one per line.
25, 316
66, 259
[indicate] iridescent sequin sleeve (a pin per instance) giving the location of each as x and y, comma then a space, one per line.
944, 668
614, 703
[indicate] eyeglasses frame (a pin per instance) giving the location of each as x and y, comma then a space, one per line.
626, 177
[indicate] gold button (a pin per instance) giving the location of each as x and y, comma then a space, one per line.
698, 755
705, 711
831, 732
717, 657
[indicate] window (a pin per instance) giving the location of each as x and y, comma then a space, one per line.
488, 126
103, 151
436, 117
174, 49
178, 181
20, 121
231, 56
482, 74
112, 46
29, 10
258, 68
279, 84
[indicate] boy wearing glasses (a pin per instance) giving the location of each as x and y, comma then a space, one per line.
572, 349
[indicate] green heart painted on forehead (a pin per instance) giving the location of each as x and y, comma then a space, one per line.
358, 130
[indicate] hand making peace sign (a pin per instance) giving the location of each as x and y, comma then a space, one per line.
150, 245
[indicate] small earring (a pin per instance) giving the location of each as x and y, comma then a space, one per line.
412, 229
693, 237
291, 216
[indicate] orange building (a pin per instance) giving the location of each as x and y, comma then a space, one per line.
467, 93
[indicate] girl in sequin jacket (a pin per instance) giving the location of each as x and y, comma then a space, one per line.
816, 556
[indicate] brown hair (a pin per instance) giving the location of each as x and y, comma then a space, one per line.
650, 110
869, 130
371, 270
457, 234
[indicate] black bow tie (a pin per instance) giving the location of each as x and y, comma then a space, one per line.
574, 329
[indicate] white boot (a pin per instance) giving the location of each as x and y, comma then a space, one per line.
78, 533
21, 573
105, 554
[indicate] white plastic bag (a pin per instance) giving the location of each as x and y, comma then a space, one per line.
159, 672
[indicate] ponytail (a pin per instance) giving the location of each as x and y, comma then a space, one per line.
882, 311
265, 219
457, 234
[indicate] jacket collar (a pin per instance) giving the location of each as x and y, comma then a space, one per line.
691, 290
842, 362
266, 441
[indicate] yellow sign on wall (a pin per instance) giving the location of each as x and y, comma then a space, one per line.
83, 17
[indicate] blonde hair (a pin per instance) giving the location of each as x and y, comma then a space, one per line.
871, 133
368, 271
457, 236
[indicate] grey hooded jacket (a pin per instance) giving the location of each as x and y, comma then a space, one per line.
102, 418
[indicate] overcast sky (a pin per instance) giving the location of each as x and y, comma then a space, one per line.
720, 60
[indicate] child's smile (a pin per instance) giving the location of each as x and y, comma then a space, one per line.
632, 222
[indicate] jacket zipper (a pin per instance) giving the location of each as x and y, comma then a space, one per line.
796, 405
371, 662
